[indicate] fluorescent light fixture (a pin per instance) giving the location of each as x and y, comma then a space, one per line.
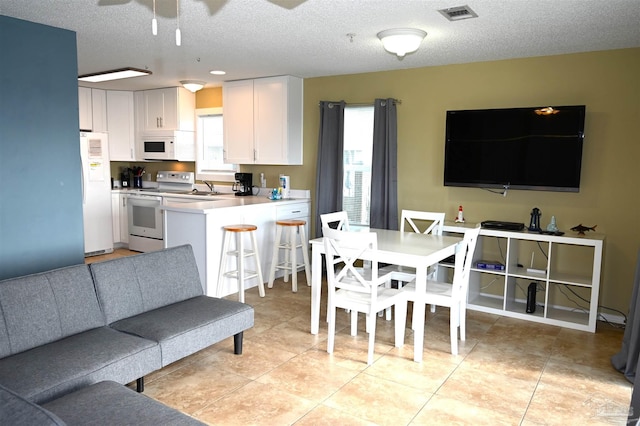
99, 77
401, 41
192, 85
217, 72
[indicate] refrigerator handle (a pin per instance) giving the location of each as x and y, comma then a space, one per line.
84, 194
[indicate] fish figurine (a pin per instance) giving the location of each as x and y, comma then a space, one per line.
581, 229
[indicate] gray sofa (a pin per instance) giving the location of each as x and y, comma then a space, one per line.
103, 403
69, 328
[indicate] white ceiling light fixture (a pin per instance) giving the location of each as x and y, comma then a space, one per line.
154, 21
192, 85
217, 72
401, 41
99, 77
178, 34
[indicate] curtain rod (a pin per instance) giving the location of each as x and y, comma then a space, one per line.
396, 101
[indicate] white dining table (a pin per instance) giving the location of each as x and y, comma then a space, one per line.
399, 248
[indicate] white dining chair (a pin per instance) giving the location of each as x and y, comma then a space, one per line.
336, 220
452, 295
433, 224
427, 223
348, 288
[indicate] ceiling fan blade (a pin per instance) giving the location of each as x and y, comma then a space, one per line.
112, 2
287, 4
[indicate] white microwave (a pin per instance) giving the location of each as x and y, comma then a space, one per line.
158, 148
175, 145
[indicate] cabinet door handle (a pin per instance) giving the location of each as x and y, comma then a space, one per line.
296, 211
161, 123
124, 202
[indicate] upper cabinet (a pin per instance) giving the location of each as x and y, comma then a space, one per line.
263, 121
171, 108
120, 124
92, 108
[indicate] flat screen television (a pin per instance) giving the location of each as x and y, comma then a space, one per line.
537, 148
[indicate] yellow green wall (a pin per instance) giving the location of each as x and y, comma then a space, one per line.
607, 82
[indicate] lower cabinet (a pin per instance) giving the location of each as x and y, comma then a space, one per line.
543, 278
120, 220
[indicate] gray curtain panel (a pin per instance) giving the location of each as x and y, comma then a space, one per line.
330, 167
626, 361
384, 167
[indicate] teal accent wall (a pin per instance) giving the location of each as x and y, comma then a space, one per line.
40, 172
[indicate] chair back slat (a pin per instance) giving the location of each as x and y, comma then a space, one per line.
463, 262
346, 249
410, 217
336, 220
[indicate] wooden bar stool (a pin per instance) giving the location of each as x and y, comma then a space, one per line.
240, 253
290, 246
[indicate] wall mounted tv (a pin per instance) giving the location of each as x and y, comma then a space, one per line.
538, 148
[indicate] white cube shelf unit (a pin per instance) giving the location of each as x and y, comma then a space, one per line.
565, 269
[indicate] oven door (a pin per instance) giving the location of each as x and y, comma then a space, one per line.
145, 216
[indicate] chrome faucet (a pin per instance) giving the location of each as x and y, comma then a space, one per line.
210, 186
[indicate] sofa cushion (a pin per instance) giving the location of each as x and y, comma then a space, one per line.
109, 403
50, 370
17, 410
189, 326
41, 308
132, 285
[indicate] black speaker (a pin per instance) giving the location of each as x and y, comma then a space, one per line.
531, 298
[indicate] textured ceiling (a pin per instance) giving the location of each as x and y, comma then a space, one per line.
257, 38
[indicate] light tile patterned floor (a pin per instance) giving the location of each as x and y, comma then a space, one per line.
509, 372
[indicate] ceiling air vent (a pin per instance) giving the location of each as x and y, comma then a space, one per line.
458, 13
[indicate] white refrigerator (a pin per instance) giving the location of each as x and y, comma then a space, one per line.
96, 193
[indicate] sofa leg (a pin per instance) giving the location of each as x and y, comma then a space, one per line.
237, 343
140, 385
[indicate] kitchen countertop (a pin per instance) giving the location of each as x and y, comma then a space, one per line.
222, 201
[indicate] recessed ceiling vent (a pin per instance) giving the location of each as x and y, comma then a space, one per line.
458, 13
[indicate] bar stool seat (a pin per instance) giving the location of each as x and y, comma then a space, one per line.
241, 274
290, 245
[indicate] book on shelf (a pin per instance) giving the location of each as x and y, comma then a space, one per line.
490, 265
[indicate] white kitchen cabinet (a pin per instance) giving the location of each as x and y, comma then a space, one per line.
99, 109
171, 108
565, 271
237, 101
121, 125
263, 121
85, 108
119, 218
92, 109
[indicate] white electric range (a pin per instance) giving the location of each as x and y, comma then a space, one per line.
145, 217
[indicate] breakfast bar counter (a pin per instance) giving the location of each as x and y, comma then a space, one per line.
199, 223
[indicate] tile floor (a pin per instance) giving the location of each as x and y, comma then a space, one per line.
509, 372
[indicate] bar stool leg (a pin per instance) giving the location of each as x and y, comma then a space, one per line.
294, 258
240, 265
258, 267
223, 262
274, 257
287, 257
305, 253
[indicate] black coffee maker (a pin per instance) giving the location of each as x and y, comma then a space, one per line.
125, 177
243, 184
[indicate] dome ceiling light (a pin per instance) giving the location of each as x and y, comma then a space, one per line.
401, 41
